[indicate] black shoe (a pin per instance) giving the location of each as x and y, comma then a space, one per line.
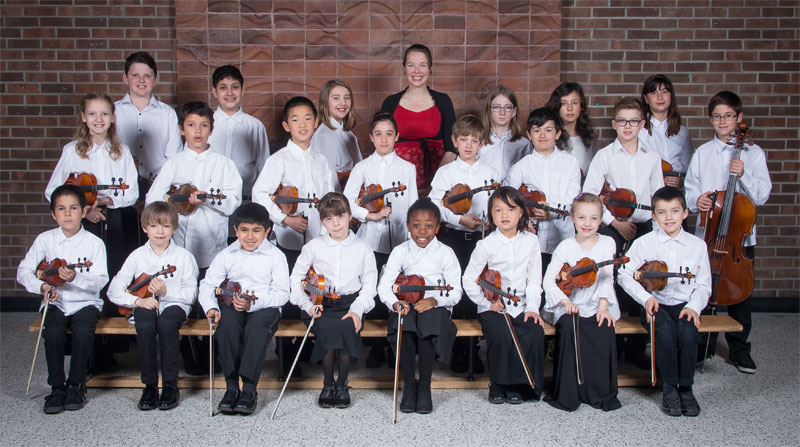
376, 357
744, 363
170, 397
477, 365
342, 396
671, 404
408, 404
75, 398
327, 396
496, 394
149, 399
424, 400
689, 405
246, 403
228, 402
513, 396
54, 403
459, 363
196, 370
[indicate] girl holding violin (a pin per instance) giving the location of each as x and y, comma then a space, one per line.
515, 347
428, 332
71, 294
585, 318
334, 137
714, 165
159, 282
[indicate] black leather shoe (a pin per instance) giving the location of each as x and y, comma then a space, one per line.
744, 363
424, 401
496, 394
342, 397
228, 402
689, 405
149, 399
246, 403
513, 396
75, 398
408, 404
54, 402
327, 396
170, 397
376, 357
671, 404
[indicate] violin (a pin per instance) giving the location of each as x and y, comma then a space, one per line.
179, 196
668, 171
87, 183
287, 199
583, 273
533, 199
729, 221
228, 290
371, 197
139, 285
621, 202
491, 283
653, 275
459, 198
343, 176
314, 286
412, 288
48, 272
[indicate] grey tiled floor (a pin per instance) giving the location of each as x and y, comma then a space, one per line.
737, 409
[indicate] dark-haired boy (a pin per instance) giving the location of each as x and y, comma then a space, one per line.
677, 307
238, 135
76, 305
245, 327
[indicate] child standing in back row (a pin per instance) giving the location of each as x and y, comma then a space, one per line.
334, 138
505, 144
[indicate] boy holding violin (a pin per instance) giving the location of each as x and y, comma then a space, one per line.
677, 304
159, 282
711, 168
243, 292
72, 297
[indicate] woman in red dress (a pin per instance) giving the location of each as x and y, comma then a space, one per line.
424, 118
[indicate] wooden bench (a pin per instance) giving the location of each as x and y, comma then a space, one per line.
371, 329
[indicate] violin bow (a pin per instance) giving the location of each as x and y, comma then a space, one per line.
397, 364
39, 338
211, 367
389, 222
291, 370
577, 335
514, 337
653, 350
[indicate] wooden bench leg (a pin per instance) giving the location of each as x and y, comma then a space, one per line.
470, 373
279, 346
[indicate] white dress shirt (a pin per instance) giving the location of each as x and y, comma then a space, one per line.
519, 262
100, 164
475, 175
640, 172
181, 285
676, 149
501, 153
264, 272
684, 250
84, 290
348, 267
152, 134
205, 231
243, 139
581, 153
558, 176
307, 171
588, 298
383, 171
437, 263
709, 170
339, 146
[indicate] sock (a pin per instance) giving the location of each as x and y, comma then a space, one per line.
248, 385
669, 388
232, 384
327, 368
684, 388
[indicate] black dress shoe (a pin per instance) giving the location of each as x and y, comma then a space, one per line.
170, 397
689, 405
228, 402
149, 399
424, 401
408, 404
327, 396
76, 398
496, 394
246, 403
376, 357
513, 396
671, 404
744, 363
54, 402
342, 396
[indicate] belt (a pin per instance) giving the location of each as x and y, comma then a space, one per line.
465, 235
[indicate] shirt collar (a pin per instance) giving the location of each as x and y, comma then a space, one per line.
351, 237
461, 164
221, 116
264, 248
388, 159
618, 147
494, 138
503, 239
153, 101
61, 237
335, 124
539, 155
656, 124
720, 146
432, 246
169, 249
298, 151
194, 155
664, 237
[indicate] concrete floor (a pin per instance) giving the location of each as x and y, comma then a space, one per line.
737, 409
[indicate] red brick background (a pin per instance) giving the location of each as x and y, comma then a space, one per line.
52, 52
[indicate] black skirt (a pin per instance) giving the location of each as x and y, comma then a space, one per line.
434, 323
505, 365
598, 354
331, 332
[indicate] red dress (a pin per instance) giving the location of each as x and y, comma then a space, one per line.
417, 145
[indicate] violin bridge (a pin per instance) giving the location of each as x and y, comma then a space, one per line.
720, 252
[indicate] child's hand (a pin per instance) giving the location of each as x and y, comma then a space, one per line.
194, 199
471, 222
650, 307
532, 316
315, 311
380, 215
690, 315
737, 167
531, 227
95, 214
158, 287
49, 292
425, 304
540, 214
146, 303
401, 307
66, 274
676, 182
569, 306
356, 320
626, 229
296, 223
104, 201
704, 202
241, 304
497, 306
603, 315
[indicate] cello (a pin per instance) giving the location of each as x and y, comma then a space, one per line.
179, 196
87, 183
